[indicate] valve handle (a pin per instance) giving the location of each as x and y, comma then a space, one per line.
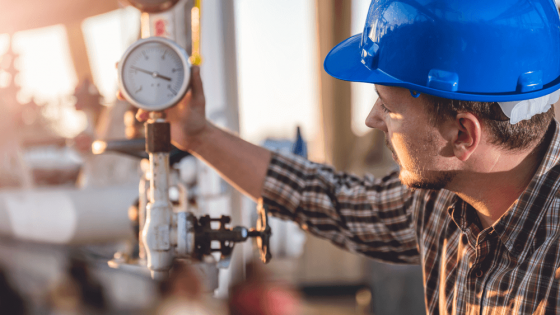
263, 239
133, 147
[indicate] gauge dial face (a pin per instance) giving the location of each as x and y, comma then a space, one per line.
154, 74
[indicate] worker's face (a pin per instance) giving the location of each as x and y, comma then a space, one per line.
417, 146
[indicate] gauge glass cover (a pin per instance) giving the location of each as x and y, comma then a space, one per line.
154, 74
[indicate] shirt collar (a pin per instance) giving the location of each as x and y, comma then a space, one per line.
466, 219
518, 226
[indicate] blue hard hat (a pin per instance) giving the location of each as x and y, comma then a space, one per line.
474, 50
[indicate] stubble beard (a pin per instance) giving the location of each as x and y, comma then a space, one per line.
431, 180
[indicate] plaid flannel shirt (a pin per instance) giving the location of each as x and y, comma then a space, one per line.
512, 267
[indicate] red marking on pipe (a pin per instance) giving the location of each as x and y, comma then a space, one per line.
160, 26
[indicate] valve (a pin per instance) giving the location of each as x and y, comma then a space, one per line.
166, 234
229, 237
262, 233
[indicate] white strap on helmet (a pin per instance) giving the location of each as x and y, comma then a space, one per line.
524, 110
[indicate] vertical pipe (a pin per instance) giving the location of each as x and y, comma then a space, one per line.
333, 26
196, 58
232, 114
157, 228
159, 182
142, 204
156, 232
78, 50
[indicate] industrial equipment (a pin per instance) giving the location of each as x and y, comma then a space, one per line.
168, 228
154, 75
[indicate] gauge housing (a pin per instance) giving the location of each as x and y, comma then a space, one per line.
124, 66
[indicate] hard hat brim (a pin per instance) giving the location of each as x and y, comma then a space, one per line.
344, 62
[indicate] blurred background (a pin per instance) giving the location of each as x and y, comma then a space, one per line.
65, 212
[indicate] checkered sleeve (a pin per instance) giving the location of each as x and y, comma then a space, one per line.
371, 216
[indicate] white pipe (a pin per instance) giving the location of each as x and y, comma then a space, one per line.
67, 216
143, 190
156, 231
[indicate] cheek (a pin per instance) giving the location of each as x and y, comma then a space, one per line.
396, 133
409, 145
401, 146
419, 149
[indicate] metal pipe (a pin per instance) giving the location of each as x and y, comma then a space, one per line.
129, 145
67, 216
143, 190
156, 232
159, 211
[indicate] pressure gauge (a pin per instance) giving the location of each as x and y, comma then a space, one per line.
154, 73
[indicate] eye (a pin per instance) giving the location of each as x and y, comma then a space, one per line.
384, 108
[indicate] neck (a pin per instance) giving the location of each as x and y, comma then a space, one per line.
493, 192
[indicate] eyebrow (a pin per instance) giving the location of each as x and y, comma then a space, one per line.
379, 94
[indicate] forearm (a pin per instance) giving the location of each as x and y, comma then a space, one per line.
241, 163
373, 216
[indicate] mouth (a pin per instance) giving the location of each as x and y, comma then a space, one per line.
390, 147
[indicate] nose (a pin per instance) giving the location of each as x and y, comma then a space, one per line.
375, 117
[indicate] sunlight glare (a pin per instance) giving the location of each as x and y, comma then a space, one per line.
46, 74
107, 37
278, 69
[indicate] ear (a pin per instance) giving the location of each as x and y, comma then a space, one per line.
467, 136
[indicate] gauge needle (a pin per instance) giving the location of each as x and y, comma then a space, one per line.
152, 73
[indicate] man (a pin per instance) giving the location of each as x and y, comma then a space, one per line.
465, 92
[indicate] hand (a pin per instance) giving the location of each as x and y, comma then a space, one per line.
188, 117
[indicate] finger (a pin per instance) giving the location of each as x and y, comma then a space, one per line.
142, 115
196, 82
120, 95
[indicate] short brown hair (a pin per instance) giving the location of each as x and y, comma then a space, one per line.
520, 136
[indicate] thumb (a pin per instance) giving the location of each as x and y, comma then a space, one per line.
196, 82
